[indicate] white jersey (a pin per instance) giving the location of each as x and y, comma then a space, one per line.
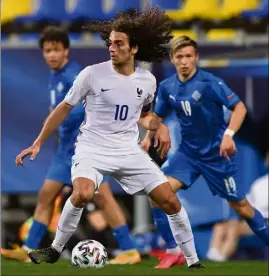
113, 104
258, 195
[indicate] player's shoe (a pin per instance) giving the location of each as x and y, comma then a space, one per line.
169, 260
157, 253
197, 265
46, 255
127, 257
17, 253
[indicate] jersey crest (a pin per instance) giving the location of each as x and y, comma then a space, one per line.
139, 93
196, 95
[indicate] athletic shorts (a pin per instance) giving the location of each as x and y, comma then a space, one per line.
135, 172
60, 167
221, 176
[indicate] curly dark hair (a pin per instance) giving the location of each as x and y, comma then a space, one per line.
148, 30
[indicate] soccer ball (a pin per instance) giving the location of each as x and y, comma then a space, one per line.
89, 253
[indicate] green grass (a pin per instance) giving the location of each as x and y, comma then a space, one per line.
146, 268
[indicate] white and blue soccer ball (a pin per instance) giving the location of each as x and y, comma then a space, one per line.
89, 254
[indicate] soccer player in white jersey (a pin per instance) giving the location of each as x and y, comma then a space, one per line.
117, 96
55, 46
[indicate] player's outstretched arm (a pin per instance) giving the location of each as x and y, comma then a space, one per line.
53, 121
228, 146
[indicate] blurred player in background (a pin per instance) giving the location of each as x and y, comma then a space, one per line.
54, 43
118, 95
172, 255
207, 146
226, 235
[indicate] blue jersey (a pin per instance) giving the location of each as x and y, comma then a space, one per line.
60, 83
198, 104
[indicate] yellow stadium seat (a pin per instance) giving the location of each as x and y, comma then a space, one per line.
189, 33
230, 8
192, 9
10, 9
221, 34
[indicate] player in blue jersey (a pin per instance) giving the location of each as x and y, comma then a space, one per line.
207, 147
54, 43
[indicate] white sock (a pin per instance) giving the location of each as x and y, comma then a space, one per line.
67, 225
173, 251
214, 255
181, 229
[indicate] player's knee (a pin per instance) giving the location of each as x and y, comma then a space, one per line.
82, 193
102, 200
219, 228
80, 198
104, 197
153, 204
171, 205
243, 208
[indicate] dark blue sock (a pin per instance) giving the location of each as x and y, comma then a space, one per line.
259, 226
36, 234
162, 225
123, 237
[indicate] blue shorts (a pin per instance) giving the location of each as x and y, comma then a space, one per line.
60, 168
221, 176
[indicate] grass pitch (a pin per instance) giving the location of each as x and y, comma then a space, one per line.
145, 268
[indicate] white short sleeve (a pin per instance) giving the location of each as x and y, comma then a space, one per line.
80, 88
151, 92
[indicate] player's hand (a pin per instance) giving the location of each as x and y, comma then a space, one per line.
227, 147
33, 151
146, 144
162, 140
